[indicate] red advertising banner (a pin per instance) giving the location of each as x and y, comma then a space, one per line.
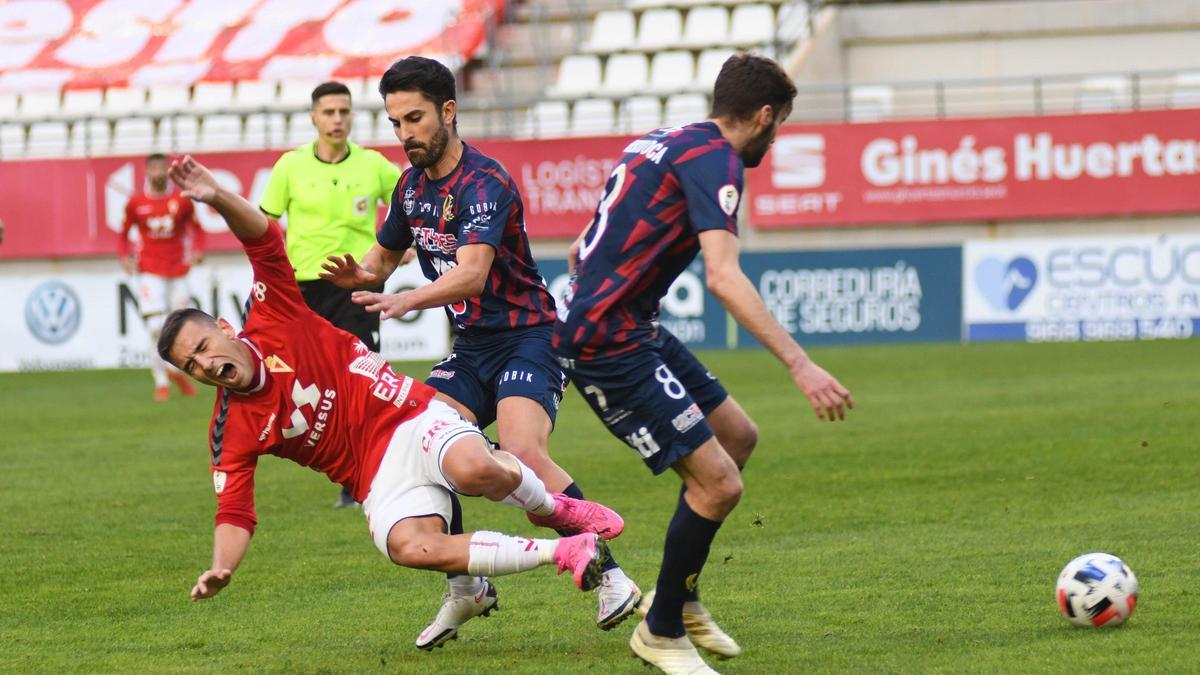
75, 207
979, 169
52, 44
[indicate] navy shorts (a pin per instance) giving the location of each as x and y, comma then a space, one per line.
486, 367
654, 398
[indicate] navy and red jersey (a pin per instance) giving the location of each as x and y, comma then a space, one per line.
321, 398
477, 203
169, 232
669, 186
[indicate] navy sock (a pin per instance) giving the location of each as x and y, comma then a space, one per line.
689, 537
574, 492
693, 594
456, 521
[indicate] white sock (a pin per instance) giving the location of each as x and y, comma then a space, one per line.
531, 494
493, 554
158, 367
463, 585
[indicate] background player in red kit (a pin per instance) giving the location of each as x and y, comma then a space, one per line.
171, 242
293, 386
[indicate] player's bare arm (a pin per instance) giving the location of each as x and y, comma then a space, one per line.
465, 280
729, 284
229, 547
375, 267
197, 183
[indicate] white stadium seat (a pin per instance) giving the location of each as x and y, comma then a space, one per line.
384, 133
8, 105
612, 31
296, 93
362, 128
671, 72
1103, 93
659, 29
578, 74
263, 130
12, 140
752, 25
47, 139
793, 21
625, 74
119, 101
706, 27
592, 117
870, 103
211, 96
39, 104
91, 137
300, 129
548, 119
709, 67
82, 102
1185, 90
168, 98
180, 133
220, 132
685, 109
134, 136
639, 114
254, 95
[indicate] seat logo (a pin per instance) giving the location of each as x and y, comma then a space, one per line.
53, 312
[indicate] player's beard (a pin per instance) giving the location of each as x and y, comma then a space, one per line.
424, 156
756, 148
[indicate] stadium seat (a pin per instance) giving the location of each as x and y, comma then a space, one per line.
384, 133
625, 74
592, 117
751, 25
300, 129
263, 130
253, 95
47, 139
548, 119
82, 103
870, 103
659, 29
1103, 94
120, 101
220, 132
8, 105
709, 67
685, 109
12, 140
639, 115
793, 21
39, 105
706, 27
134, 136
179, 134
166, 98
362, 129
91, 137
211, 96
1185, 90
294, 94
612, 31
671, 72
578, 75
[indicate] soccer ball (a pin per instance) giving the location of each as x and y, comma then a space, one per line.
1097, 589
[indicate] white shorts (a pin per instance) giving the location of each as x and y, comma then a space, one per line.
160, 295
410, 482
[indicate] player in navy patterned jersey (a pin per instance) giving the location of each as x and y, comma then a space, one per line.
464, 215
674, 193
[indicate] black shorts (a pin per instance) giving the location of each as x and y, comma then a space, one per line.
336, 307
654, 398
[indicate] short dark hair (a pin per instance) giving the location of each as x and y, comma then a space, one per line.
328, 88
746, 83
155, 157
175, 322
417, 73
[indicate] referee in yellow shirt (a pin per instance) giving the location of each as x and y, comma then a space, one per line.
329, 189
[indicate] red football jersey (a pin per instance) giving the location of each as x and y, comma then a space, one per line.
168, 228
322, 399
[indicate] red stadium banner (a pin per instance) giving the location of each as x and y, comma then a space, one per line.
51, 44
75, 207
979, 169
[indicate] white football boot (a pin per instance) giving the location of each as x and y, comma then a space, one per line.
673, 656
700, 627
617, 597
457, 610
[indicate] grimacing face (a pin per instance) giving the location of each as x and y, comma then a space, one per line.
210, 353
331, 115
156, 174
420, 126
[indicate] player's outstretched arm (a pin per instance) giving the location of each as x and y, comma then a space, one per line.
375, 268
729, 284
464, 280
197, 182
229, 547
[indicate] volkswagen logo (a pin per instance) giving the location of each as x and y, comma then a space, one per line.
52, 312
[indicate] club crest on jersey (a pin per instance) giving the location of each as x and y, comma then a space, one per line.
361, 204
727, 197
219, 481
410, 201
448, 208
276, 365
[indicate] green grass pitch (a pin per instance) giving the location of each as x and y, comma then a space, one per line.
922, 535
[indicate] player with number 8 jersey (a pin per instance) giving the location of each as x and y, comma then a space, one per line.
292, 385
